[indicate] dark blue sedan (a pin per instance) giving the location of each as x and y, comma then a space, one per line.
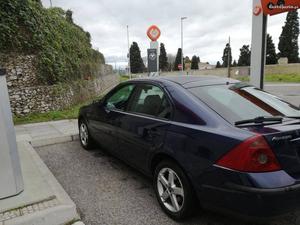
207, 142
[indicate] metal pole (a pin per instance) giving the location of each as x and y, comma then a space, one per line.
51, 3
182, 18
228, 61
129, 66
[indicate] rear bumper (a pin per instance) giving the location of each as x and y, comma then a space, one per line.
249, 201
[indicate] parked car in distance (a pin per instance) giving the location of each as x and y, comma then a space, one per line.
206, 141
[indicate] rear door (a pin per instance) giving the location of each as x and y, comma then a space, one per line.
143, 126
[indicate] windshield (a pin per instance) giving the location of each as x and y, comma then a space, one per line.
241, 102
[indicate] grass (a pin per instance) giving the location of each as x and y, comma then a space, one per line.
124, 78
69, 113
283, 78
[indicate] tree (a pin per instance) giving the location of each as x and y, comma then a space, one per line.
288, 40
234, 64
271, 56
136, 61
69, 16
195, 63
245, 56
227, 51
163, 59
218, 65
178, 59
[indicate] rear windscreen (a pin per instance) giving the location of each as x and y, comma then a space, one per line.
237, 102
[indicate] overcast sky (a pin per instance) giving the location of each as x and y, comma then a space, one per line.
206, 30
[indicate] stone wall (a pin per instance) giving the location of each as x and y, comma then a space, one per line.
28, 96
244, 70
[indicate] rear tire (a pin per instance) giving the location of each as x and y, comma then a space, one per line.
173, 190
85, 138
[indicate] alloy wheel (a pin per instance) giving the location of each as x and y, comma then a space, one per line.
84, 135
170, 189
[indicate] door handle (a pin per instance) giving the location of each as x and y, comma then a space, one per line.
151, 132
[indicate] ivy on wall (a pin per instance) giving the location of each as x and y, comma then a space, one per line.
63, 49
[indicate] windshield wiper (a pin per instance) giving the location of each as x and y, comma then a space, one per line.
260, 120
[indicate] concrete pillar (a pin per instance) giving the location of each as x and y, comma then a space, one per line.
258, 45
11, 181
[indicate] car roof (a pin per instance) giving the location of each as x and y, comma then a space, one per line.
193, 80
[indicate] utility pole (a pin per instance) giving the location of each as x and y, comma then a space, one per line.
51, 3
182, 18
228, 60
129, 66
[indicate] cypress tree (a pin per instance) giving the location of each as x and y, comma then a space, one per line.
271, 56
245, 56
136, 61
178, 60
288, 40
227, 51
234, 64
195, 63
163, 59
218, 65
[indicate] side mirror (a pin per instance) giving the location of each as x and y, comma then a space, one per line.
109, 106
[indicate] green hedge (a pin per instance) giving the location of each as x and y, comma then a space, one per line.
63, 48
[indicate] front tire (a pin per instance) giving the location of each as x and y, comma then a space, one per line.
85, 138
173, 190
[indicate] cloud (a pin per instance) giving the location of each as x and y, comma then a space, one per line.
206, 30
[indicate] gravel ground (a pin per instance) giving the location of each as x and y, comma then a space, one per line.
107, 191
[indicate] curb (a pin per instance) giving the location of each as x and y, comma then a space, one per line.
78, 223
53, 140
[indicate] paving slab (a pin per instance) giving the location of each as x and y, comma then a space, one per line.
43, 201
47, 133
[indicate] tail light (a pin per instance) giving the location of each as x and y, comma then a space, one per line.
252, 155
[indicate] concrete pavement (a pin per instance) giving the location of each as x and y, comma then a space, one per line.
43, 201
47, 133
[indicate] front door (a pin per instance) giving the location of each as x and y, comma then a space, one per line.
106, 115
142, 127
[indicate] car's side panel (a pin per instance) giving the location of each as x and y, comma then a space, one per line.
138, 137
102, 125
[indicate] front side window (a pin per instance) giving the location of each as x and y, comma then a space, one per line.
150, 100
120, 98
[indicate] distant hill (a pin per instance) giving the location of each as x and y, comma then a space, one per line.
62, 48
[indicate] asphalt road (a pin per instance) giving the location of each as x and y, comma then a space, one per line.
289, 92
107, 191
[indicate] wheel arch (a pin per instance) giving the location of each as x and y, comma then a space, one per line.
159, 157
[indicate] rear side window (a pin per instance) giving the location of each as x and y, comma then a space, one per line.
119, 99
150, 100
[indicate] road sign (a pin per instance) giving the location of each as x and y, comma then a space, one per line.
272, 7
152, 60
180, 66
153, 33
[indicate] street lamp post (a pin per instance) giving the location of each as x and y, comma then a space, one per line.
129, 66
181, 19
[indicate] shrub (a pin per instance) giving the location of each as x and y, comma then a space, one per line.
63, 49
